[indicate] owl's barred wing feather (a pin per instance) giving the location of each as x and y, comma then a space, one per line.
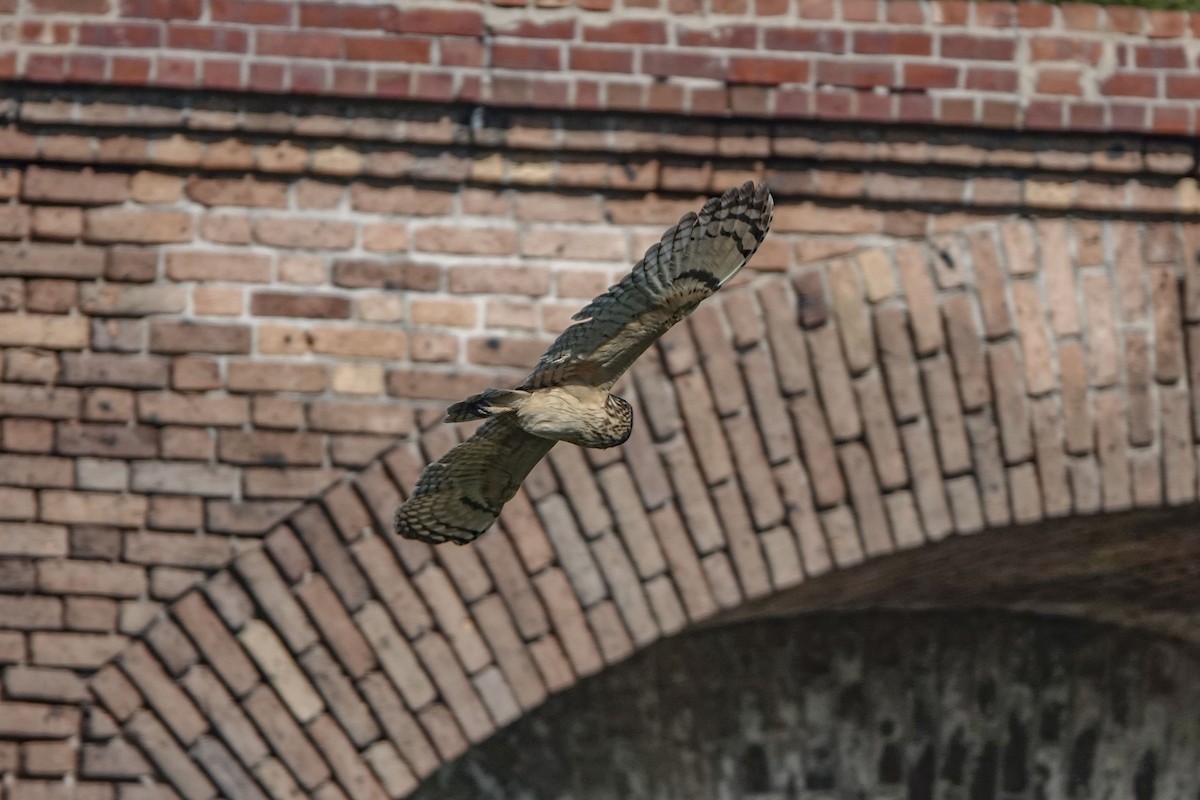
693, 259
460, 496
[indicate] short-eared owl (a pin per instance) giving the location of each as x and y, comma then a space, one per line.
566, 397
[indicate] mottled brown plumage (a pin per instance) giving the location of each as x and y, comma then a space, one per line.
566, 397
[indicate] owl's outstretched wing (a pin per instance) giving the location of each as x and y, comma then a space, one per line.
693, 259
459, 496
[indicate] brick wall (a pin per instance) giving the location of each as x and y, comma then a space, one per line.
230, 322
996, 64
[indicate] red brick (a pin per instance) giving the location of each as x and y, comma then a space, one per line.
189, 265
45, 260
1100, 333
395, 656
401, 728
215, 480
310, 233
142, 226
192, 337
76, 650
391, 49
343, 756
569, 621
336, 626
37, 720
82, 187
177, 549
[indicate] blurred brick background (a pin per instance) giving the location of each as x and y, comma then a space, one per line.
249, 249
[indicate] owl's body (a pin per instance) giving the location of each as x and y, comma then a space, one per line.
567, 396
575, 413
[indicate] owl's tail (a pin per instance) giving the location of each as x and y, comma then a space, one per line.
485, 404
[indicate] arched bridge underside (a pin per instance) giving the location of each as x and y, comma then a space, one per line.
976, 419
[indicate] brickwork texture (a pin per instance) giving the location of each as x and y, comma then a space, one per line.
229, 324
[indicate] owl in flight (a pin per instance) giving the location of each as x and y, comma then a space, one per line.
566, 397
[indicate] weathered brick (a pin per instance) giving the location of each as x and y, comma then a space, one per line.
946, 415
209, 480
853, 318
394, 775
395, 655
572, 550
1012, 411
913, 263
221, 650
338, 629
195, 337
1100, 334
28, 538
802, 518
137, 226
38, 720
1168, 329
1048, 449
330, 556
272, 657
276, 599
391, 274
31, 612
93, 507
1179, 464
221, 766
989, 468
311, 233
77, 650
162, 693
84, 186
164, 408
225, 715
513, 584
51, 260
568, 620
180, 770
178, 549
206, 265
343, 757
115, 759
402, 729
1058, 275
103, 369
967, 350
344, 701
368, 343
120, 300
45, 331
1112, 451
833, 381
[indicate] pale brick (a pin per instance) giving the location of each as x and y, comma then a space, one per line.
1112, 451
224, 770
137, 226
833, 381
964, 504
946, 415
209, 480
402, 729
395, 655
276, 599
989, 469
272, 657
1103, 360
853, 318
286, 737
77, 650
967, 350
66, 576
1012, 410
1035, 344
611, 635
913, 263
351, 712
1168, 329
1051, 461
46, 331
28, 538
568, 620
1058, 276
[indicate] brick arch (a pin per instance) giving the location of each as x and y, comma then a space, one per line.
796, 427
